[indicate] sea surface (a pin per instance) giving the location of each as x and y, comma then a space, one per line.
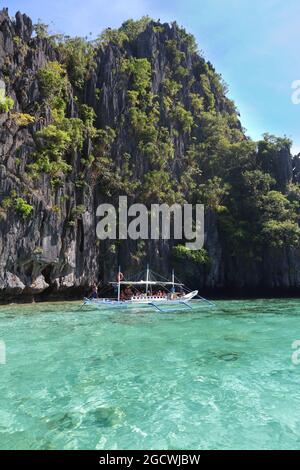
75, 378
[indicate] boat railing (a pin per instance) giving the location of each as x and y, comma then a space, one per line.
148, 297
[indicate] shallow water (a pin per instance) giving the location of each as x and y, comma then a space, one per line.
78, 379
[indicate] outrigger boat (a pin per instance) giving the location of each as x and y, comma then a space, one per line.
147, 293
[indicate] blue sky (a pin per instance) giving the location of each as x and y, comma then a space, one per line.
254, 44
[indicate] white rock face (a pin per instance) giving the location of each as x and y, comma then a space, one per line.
67, 281
13, 283
38, 285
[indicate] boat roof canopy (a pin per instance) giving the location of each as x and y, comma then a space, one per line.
150, 283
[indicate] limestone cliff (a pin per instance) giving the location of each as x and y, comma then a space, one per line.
148, 117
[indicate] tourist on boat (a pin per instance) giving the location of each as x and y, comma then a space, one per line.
122, 295
120, 277
172, 292
94, 294
128, 292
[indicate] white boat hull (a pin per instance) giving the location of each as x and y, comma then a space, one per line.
161, 304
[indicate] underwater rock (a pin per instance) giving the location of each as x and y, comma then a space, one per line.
107, 417
228, 357
62, 421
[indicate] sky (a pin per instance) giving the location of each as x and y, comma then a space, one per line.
254, 44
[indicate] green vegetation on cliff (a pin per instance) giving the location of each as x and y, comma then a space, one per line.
140, 112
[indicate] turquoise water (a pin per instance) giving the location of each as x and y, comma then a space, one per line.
78, 379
